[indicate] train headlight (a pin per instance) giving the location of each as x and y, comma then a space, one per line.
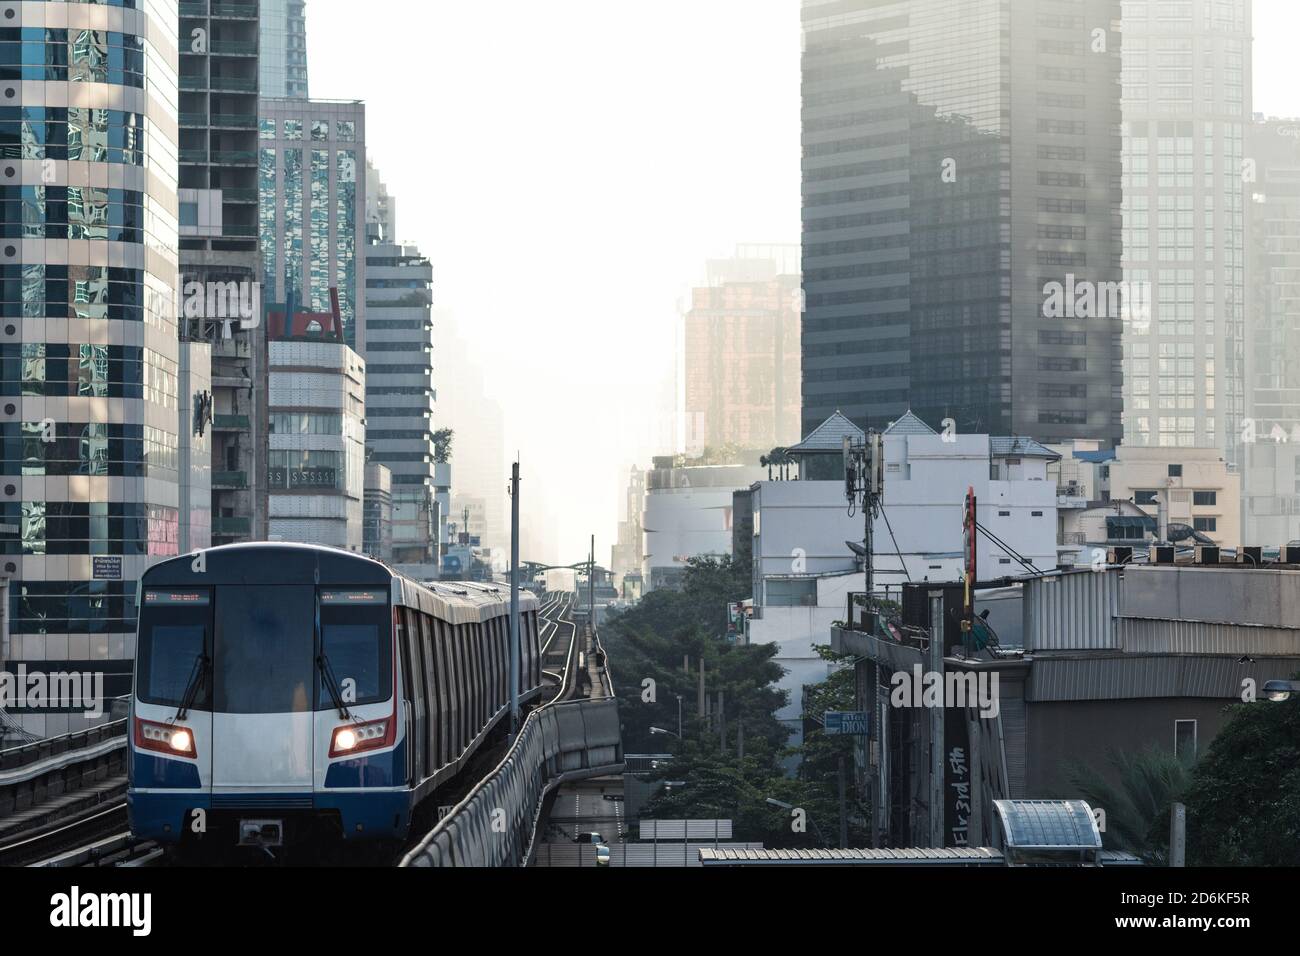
171, 739
355, 738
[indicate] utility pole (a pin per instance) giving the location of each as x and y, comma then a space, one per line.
591, 589
844, 812
514, 599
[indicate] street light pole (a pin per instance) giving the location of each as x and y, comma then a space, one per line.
514, 599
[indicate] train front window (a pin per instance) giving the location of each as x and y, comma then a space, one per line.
264, 649
356, 639
172, 638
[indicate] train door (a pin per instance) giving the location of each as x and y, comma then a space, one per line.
264, 678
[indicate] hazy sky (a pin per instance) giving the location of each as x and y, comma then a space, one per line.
568, 166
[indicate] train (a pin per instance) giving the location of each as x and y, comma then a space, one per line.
289, 693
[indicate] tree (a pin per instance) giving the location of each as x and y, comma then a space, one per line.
1243, 807
442, 445
1137, 811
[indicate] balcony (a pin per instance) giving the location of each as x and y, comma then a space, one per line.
193, 81
230, 527
196, 157
230, 423
193, 119
238, 194
234, 157
193, 8
234, 120
234, 84
230, 479
235, 11
234, 47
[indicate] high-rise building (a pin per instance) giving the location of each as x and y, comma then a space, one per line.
283, 68
92, 413
1186, 103
960, 170
1272, 431
399, 384
312, 199
220, 301
377, 514
318, 439
742, 352
468, 407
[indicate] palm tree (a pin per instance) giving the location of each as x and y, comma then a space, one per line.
1136, 811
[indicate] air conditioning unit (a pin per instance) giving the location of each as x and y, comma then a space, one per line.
1207, 554
1250, 556
1120, 555
1291, 554
1161, 554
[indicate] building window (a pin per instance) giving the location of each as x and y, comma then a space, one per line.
1205, 524
1145, 497
189, 214
1205, 497
1185, 740
1175, 471
792, 593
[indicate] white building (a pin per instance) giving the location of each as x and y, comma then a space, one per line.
317, 458
688, 514
805, 568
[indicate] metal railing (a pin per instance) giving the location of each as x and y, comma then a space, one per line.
496, 823
43, 751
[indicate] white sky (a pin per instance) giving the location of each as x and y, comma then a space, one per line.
568, 166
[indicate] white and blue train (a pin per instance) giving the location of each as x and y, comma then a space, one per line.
287, 692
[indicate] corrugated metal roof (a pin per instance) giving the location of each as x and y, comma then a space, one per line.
1147, 636
829, 436
1074, 611
1130, 676
915, 856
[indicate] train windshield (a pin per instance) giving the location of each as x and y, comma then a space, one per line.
264, 649
356, 638
174, 625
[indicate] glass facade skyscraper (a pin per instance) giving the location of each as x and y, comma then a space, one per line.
312, 198
283, 67
96, 382
1186, 103
960, 160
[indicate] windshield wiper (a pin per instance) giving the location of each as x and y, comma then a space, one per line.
332, 684
201, 664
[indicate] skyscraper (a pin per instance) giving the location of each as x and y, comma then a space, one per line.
218, 250
1271, 486
91, 413
961, 162
283, 67
399, 379
312, 203
1186, 102
742, 352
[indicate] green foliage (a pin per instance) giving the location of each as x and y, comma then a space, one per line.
1243, 808
649, 642
1137, 810
442, 445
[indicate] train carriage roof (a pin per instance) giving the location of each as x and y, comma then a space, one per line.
287, 563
